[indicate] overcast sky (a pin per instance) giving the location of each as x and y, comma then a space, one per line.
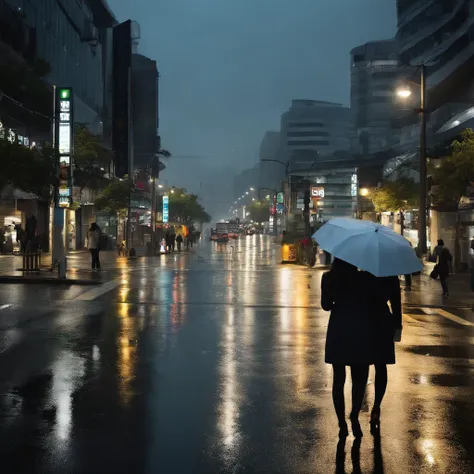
230, 68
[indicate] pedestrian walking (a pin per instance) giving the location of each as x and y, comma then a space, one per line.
386, 330
2, 240
443, 265
93, 244
173, 241
348, 340
168, 241
408, 282
179, 241
471, 263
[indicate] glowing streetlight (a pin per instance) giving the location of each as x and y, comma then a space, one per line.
404, 92
364, 192
252, 189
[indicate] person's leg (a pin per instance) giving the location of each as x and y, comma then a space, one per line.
338, 381
408, 281
97, 259
381, 380
360, 374
92, 258
444, 285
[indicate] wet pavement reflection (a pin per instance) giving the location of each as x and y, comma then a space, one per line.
213, 362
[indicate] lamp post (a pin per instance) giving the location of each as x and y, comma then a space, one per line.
405, 93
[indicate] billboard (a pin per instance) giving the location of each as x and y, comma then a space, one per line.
63, 142
166, 201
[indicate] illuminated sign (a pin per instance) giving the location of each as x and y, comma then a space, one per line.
317, 192
280, 198
63, 143
166, 201
354, 185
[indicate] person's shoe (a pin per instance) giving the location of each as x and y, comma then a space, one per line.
408, 288
445, 295
356, 429
375, 421
343, 430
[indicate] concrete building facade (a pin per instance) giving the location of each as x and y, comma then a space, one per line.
312, 129
374, 76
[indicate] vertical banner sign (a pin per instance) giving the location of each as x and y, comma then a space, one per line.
166, 201
63, 134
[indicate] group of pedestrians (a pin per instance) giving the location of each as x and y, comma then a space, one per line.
362, 331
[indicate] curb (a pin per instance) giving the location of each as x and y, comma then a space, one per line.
46, 280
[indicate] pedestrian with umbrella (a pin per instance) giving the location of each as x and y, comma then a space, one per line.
362, 329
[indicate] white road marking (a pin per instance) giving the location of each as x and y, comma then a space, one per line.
99, 291
453, 317
5, 306
410, 318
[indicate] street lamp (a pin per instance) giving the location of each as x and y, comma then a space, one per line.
404, 93
364, 192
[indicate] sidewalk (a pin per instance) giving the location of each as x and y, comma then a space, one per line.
78, 269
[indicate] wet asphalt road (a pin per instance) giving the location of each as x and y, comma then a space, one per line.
212, 362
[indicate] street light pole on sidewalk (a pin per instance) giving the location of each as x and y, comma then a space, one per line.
404, 93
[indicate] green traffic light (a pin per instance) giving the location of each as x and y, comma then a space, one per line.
65, 93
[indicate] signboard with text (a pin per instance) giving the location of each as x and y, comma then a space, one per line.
317, 192
64, 132
166, 201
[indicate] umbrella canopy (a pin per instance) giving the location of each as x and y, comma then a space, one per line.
369, 246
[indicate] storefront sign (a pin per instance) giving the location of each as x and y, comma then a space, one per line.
317, 192
280, 198
64, 126
166, 201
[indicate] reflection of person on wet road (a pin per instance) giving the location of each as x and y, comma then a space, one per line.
386, 328
348, 340
443, 265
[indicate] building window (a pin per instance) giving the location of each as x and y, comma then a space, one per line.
305, 125
307, 134
308, 143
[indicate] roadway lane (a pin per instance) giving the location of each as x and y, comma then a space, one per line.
212, 362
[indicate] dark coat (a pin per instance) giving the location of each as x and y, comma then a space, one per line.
384, 321
349, 335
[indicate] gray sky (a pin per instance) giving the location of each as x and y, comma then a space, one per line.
229, 68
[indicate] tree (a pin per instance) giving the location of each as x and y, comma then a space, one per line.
259, 211
397, 195
453, 174
185, 208
29, 169
90, 159
116, 197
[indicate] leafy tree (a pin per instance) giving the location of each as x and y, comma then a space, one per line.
259, 211
31, 170
396, 195
90, 158
185, 207
453, 174
116, 197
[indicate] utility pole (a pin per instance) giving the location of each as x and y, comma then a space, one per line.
422, 245
306, 212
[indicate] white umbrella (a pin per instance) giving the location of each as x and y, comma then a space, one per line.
368, 246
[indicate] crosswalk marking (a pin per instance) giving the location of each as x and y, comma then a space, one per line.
410, 318
99, 291
4, 306
453, 317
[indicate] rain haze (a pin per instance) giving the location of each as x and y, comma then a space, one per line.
229, 69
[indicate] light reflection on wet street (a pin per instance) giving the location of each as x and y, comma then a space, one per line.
213, 362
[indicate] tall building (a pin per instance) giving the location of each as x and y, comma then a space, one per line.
374, 76
271, 172
70, 37
438, 33
312, 129
144, 110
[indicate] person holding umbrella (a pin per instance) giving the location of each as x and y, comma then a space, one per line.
383, 255
348, 340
